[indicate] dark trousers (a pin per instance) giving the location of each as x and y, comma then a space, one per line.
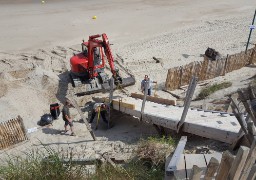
103, 115
149, 92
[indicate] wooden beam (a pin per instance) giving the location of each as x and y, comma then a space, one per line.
246, 105
212, 167
111, 84
146, 87
195, 173
225, 165
238, 164
195, 159
189, 96
250, 161
172, 166
252, 174
74, 103
239, 116
124, 104
154, 99
174, 95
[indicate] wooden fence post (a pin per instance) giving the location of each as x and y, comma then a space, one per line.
196, 173
144, 100
250, 161
238, 164
246, 105
82, 116
252, 174
212, 167
225, 165
111, 83
189, 96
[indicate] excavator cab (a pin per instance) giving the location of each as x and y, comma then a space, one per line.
88, 67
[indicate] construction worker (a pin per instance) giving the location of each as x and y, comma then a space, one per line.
67, 118
144, 83
99, 108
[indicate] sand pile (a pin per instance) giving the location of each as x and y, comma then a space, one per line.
30, 82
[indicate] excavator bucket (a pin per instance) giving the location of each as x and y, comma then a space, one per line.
85, 87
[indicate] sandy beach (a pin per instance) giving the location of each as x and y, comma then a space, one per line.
37, 40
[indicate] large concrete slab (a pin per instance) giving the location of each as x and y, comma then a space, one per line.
211, 124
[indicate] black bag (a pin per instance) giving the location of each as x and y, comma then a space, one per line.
55, 110
211, 53
46, 119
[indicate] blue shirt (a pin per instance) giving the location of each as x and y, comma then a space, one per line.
144, 82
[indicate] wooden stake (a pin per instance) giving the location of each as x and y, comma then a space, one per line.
144, 100
196, 173
212, 167
250, 161
238, 164
225, 165
189, 96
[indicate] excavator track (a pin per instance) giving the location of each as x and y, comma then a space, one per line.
82, 87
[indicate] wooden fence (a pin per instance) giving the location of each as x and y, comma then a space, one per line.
229, 167
208, 69
12, 132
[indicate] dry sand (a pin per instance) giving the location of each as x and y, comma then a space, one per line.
37, 40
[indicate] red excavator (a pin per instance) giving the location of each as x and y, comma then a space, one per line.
87, 68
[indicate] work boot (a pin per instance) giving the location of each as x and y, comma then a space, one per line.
72, 134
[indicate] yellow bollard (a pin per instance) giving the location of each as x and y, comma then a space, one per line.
94, 17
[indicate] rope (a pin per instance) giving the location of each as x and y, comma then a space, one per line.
98, 119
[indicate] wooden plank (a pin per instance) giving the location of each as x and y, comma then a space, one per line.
252, 174
250, 161
7, 138
20, 120
124, 104
225, 165
2, 141
154, 99
4, 136
196, 173
21, 136
216, 155
189, 96
180, 172
146, 87
172, 166
211, 169
238, 164
246, 105
195, 159
73, 101
111, 84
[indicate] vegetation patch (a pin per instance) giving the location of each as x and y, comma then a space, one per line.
205, 92
33, 166
148, 163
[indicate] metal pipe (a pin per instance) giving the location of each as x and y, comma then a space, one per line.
250, 32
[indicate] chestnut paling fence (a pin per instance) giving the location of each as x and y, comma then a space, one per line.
208, 69
12, 132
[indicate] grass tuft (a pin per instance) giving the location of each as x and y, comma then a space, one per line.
205, 92
35, 166
149, 164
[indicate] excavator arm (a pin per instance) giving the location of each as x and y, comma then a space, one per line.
104, 43
108, 53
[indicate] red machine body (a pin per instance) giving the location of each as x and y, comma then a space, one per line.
87, 68
84, 63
